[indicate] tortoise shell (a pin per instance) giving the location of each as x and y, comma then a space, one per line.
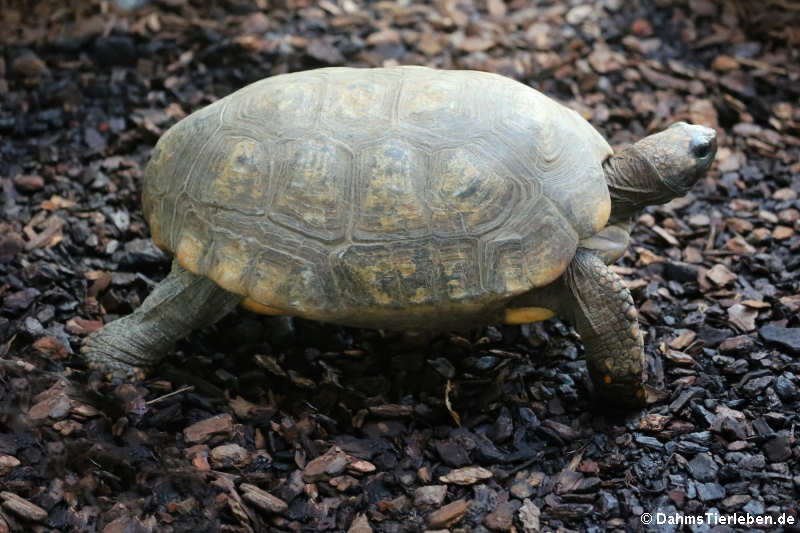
394, 197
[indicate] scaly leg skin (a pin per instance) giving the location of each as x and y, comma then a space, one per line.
179, 304
603, 312
595, 301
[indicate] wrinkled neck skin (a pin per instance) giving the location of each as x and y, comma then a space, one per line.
633, 183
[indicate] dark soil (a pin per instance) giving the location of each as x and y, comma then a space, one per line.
273, 424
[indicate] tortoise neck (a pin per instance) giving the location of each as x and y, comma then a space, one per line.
633, 183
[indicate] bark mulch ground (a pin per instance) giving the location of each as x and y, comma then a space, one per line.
273, 424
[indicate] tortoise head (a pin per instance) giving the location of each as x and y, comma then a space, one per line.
659, 167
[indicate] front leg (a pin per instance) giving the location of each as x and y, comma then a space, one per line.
603, 312
179, 304
592, 297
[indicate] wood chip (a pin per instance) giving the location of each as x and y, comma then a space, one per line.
82, 326
201, 431
54, 403
359, 466
699, 220
332, 463
739, 225
720, 275
476, 44
742, 317
448, 515
229, 455
789, 216
653, 422
680, 358
263, 499
692, 255
723, 63
7, 462
781, 233
22, 507
647, 257
383, 37
51, 347
756, 304
466, 476
768, 216
360, 525
785, 194
666, 235
792, 302
683, 340
761, 235
529, 516
740, 246
392, 410
50, 235
603, 60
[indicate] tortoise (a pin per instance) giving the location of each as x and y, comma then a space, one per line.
400, 198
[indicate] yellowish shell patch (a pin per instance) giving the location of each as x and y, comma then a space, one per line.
189, 253
228, 270
526, 315
542, 275
602, 213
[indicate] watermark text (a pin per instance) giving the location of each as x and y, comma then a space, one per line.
717, 519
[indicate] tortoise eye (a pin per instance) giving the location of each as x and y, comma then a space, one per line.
703, 143
701, 150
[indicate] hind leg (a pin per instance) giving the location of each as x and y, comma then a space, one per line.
179, 304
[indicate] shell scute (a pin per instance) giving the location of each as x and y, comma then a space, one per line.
313, 179
288, 282
383, 275
434, 103
355, 109
277, 107
389, 192
458, 270
241, 167
468, 193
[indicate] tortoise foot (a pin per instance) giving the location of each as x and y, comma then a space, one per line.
101, 352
